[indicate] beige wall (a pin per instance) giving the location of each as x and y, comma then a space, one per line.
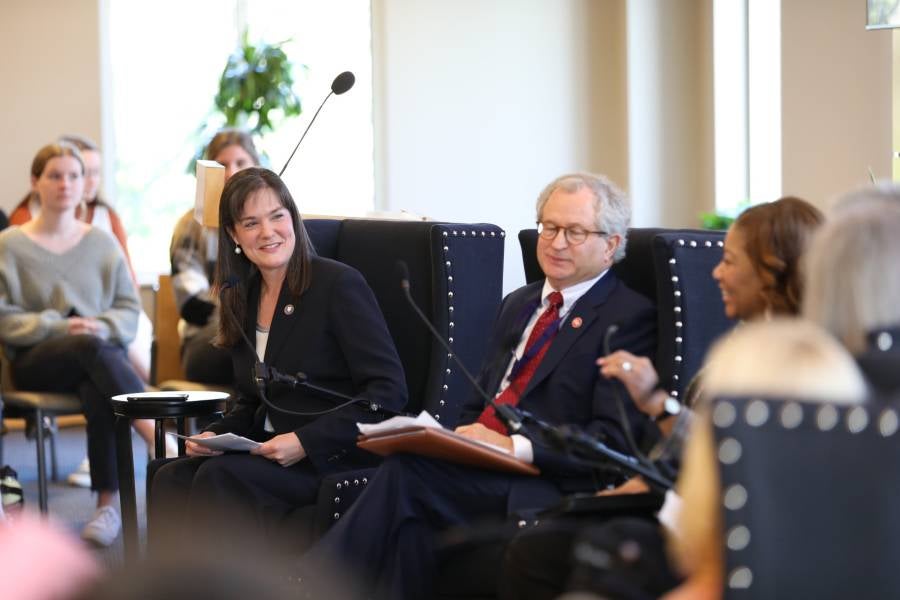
670, 111
51, 72
836, 98
480, 104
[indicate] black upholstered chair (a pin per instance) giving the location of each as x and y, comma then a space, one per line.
809, 498
672, 267
456, 275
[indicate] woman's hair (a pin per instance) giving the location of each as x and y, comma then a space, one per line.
233, 269
46, 154
782, 358
51, 151
231, 137
852, 282
610, 203
775, 236
85, 144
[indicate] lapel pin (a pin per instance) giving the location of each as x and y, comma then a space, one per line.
576, 322
288, 309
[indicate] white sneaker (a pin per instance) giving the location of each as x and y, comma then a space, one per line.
104, 526
81, 477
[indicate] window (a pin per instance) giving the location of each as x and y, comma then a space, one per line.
747, 76
163, 61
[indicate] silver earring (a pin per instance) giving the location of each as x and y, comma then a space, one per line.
237, 249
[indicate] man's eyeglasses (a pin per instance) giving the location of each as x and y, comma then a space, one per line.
574, 235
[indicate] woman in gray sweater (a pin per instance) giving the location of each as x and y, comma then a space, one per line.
68, 306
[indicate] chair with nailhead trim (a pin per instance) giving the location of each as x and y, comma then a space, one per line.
809, 498
456, 275
672, 267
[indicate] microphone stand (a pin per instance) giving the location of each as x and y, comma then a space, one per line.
591, 451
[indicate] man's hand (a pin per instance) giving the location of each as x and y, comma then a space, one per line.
477, 431
284, 448
83, 325
195, 449
638, 376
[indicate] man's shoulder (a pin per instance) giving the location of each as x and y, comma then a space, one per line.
525, 292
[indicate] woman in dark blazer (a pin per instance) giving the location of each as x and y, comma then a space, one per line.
297, 313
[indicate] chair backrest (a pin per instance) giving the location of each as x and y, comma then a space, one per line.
691, 312
166, 364
673, 268
456, 275
809, 495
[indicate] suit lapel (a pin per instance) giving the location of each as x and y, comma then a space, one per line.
283, 322
586, 309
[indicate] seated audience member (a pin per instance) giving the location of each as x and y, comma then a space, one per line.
540, 357
759, 275
853, 283
67, 308
305, 314
781, 359
193, 256
95, 209
101, 215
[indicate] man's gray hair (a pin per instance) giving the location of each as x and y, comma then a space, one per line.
611, 204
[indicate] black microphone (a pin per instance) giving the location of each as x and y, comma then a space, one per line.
341, 84
510, 415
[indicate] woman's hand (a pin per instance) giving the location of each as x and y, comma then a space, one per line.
83, 325
635, 485
638, 376
477, 431
195, 449
284, 448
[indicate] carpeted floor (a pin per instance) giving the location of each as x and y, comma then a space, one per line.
70, 506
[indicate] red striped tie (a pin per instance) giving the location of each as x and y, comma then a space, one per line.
538, 342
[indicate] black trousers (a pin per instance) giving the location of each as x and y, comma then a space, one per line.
235, 501
94, 369
389, 537
204, 362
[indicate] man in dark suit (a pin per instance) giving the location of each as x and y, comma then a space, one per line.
541, 358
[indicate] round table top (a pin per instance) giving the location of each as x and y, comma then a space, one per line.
149, 405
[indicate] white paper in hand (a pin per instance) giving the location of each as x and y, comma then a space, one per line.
224, 441
399, 422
